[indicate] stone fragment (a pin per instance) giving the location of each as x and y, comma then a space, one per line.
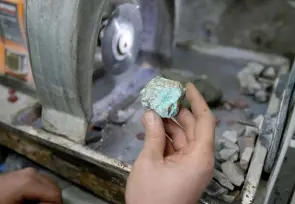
233, 172
121, 116
258, 120
226, 154
211, 94
227, 198
261, 96
246, 157
240, 129
230, 135
250, 131
269, 73
215, 189
248, 83
223, 180
274, 106
254, 68
246, 141
163, 96
234, 157
225, 149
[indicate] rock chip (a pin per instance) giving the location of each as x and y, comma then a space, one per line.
223, 180
246, 141
261, 96
233, 172
246, 157
215, 189
234, 157
230, 135
258, 120
269, 73
227, 198
211, 94
254, 68
240, 129
226, 154
250, 131
248, 83
225, 149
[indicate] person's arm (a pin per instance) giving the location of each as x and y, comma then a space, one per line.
28, 185
178, 172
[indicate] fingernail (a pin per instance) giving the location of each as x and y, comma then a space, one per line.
150, 118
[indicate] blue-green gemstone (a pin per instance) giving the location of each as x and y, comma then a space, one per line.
163, 96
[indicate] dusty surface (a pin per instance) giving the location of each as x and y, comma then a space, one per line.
258, 25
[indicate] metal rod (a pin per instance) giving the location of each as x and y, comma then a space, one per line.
169, 138
176, 122
247, 123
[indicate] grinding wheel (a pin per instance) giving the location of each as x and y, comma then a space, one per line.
62, 38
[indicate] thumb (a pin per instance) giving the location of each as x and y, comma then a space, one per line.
155, 140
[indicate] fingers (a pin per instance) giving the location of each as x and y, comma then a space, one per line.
198, 104
155, 140
176, 133
34, 186
187, 121
43, 178
44, 193
205, 121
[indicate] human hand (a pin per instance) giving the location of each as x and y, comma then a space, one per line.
178, 172
27, 185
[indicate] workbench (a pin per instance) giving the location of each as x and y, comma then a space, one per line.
105, 172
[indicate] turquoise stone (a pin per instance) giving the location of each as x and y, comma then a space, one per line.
163, 96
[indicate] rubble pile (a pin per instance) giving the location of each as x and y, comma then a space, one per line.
233, 154
257, 80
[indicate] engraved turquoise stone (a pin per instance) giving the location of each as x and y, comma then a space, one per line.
163, 96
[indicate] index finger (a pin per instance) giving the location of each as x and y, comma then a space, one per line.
205, 121
43, 193
198, 104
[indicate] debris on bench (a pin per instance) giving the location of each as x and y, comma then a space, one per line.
261, 96
225, 149
234, 157
215, 189
211, 94
257, 80
269, 73
223, 180
246, 156
230, 135
228, 198
246, 141
233, 172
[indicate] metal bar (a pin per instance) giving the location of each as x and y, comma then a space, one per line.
98, 180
